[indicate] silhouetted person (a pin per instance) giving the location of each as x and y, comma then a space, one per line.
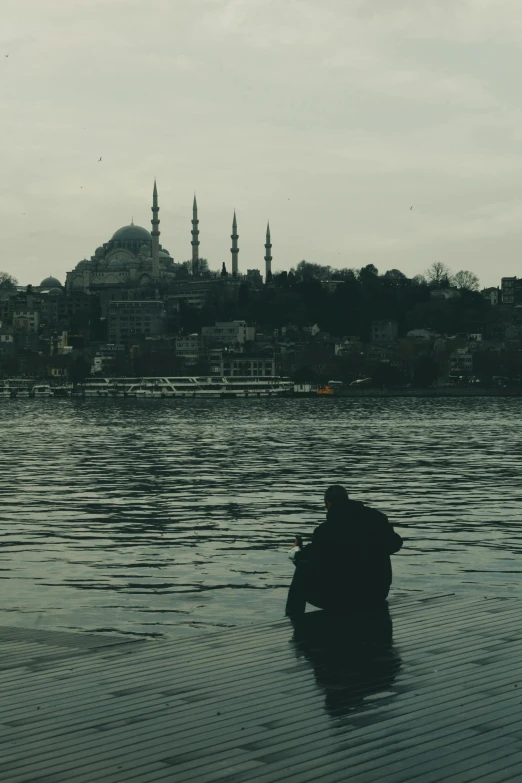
353, 658
347, 565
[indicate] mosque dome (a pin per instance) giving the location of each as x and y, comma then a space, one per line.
131, 232
116, 263
164, 253
56, 292
50, 282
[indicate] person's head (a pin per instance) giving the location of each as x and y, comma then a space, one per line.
335, 497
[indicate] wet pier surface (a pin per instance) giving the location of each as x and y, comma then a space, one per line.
429, 691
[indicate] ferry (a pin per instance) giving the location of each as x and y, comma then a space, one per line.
186, 386
94, 387
20, 387
16, 387
62, 391
42, 390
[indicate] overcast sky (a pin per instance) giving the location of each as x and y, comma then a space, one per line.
330, 117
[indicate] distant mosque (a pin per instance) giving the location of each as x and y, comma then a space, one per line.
135, 257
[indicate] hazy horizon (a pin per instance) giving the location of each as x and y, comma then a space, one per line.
330, 119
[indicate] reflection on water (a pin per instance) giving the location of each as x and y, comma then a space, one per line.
172, 516
353, 660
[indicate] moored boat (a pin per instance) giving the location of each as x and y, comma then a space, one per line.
42, 390
186, 386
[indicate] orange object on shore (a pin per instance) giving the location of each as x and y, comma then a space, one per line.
325, 390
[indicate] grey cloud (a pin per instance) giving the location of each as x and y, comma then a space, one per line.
329, 117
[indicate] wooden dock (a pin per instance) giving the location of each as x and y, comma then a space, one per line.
326, 700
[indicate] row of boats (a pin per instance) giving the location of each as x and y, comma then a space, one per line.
159, 387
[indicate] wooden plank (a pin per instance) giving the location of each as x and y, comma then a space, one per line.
247, 705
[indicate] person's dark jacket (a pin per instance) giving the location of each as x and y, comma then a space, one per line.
350, 555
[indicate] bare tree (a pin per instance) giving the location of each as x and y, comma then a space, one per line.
438, 274
7, 281
466, 281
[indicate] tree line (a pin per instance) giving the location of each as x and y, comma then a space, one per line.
345, 302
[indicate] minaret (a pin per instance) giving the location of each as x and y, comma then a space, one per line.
268, 256
155, 232
234, 236
195, 240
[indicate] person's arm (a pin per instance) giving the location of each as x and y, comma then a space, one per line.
386, 538
395, 542
309, 551
391, 541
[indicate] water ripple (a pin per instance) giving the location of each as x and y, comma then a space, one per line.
171, 517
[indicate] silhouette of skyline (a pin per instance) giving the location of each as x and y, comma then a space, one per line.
329, 118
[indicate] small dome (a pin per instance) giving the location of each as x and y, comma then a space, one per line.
50, 282
132, 232
116, 263
55, 291
99, 251
164, 253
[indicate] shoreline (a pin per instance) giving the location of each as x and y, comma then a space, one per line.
436, 393
441, 391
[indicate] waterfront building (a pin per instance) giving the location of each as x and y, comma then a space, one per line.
7, 341
384, 331
73, 309
104, 357
193, 293
313, 330
492, 295
229, 333
511, 291
461, 362
229, 364
349, 346
131, 319
26, 320
192, 348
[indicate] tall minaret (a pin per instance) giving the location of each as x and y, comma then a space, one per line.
234, 236
155, 232
195, 240
268, 255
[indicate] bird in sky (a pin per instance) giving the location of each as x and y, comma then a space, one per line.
6, 55
411, 209
99, 160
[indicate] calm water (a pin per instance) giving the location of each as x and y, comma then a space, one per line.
171, 517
